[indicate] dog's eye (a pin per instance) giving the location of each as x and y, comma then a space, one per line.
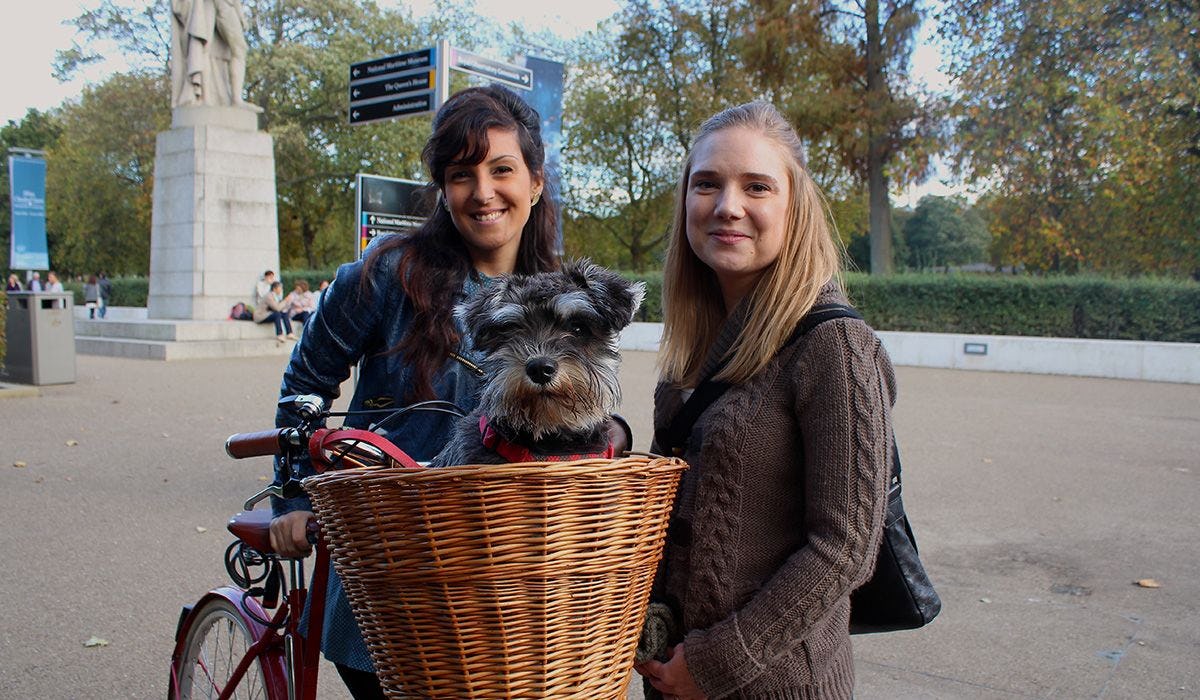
578, 329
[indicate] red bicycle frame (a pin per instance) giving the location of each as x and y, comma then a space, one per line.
270, 647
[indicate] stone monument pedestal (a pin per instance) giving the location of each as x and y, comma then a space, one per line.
213, 227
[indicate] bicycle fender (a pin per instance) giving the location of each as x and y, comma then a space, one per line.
272, 659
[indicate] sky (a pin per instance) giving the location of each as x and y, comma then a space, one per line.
28, 45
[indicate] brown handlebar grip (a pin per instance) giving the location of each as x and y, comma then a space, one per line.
242, 445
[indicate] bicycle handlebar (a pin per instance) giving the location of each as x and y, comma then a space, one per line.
267, 442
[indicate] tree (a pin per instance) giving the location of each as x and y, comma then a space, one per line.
620, 157
99, 176
944, 231
640, 88
1084, 119
840, 72
686, 52
298, 71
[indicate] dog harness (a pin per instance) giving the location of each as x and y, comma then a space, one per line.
519, 453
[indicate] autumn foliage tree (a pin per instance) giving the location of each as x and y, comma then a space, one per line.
841, 72
639, 88
100, 175
1083, 120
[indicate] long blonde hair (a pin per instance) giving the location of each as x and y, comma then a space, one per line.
693, 308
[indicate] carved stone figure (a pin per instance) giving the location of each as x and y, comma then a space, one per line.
208, 53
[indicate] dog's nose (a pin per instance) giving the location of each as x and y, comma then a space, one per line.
541, 369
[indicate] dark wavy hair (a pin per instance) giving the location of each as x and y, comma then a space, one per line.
435, 261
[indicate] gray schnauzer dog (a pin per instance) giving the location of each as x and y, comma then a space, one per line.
550, 373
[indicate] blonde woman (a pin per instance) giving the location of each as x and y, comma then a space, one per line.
780, 515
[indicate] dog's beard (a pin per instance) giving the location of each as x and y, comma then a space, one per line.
575, 401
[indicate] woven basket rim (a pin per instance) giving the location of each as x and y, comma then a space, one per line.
595, 467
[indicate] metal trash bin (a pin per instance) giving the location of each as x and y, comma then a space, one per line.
40, 338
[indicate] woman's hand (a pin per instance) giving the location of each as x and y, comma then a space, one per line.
671, 678
289, 533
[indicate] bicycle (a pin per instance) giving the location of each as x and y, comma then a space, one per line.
226, 643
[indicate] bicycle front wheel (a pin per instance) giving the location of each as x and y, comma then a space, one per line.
216, 643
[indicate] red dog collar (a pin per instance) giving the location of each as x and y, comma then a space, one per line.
518, 453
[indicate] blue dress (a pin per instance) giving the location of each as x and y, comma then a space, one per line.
347, 327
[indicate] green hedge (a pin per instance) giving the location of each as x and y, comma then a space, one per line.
1065, 307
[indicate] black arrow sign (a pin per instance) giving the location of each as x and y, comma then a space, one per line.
399, 107
377, 68
397, 86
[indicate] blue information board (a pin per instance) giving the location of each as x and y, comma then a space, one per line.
547, 98
27, 189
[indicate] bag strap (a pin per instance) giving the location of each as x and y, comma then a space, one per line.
674, 437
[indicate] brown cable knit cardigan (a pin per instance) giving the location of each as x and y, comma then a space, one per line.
765, 546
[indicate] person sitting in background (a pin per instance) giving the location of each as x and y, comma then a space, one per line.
14, 284
52, 283
262, 289
270, 308
300, 303
320, 293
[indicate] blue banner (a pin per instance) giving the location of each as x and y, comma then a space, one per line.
547, 98
27, 188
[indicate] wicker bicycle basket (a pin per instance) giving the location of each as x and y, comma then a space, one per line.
500, 581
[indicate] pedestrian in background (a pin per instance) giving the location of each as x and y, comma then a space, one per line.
105, 293
91, 295
14, 284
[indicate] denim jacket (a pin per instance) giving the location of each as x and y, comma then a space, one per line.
347, 327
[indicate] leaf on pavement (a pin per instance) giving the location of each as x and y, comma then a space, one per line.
201, 529
96, 642
20, 465
72, 443
1148, 583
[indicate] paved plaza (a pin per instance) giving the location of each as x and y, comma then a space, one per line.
1038, 502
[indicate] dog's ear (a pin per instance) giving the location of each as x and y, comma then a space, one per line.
475, 313
614, 297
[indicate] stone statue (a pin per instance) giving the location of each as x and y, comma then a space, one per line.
208, 53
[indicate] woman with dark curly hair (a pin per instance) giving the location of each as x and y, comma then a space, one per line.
393, 310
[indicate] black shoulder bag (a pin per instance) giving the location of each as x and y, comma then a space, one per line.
899, 595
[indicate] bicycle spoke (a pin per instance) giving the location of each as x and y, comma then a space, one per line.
219, 642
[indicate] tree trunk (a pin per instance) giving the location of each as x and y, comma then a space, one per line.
879, 219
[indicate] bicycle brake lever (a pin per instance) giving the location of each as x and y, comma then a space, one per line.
271, 490
291, 489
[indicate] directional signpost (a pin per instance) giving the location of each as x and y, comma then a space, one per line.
496, 71
387, 205
418, 82
394, 86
